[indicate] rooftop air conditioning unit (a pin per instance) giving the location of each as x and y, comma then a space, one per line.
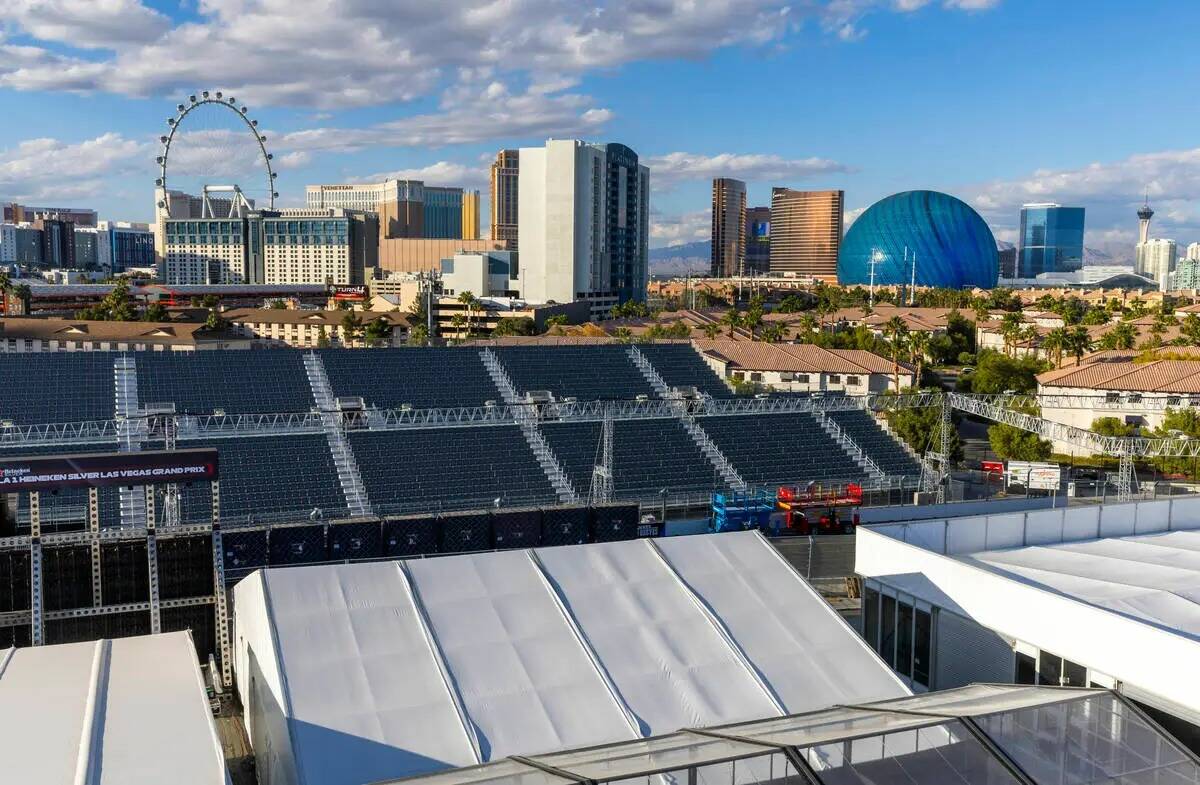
152, 409
686, 391
539, 396
641, 397
349, 403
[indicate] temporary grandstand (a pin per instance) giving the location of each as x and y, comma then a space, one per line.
356, 673
337, 433
130, 711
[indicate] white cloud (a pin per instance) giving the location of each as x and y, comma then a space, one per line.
672, 168
850, 216
679, 229
465, 119
447, 173
1111, 193
50, 168
86, 24
326, 54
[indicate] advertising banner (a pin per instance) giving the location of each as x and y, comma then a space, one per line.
95, 470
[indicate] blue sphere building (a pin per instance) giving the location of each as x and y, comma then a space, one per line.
953, 246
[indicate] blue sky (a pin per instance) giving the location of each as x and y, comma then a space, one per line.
1085, 102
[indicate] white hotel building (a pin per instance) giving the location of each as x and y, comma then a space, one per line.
305, 246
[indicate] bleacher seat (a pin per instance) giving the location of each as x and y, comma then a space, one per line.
648, 455
66, 508
781, 449
56, 387
588, 373
866, 432
419, 470
422, 377
267, 478
236, 382
679, 364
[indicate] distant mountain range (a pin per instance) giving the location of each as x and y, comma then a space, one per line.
694, 258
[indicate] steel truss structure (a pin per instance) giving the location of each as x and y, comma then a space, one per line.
93, 537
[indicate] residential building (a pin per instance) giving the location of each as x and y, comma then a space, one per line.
306, 329
1050, 240
123, 245
758, 240
803, 367
1193, 251
806, 232
20, 244
399, 203
584, 223
75, 335
302, 246
1156, 259
443, 213
19, 213
58, 241
455, 321
504, 180
1187, 274
470, 215
483, 274
8, 243
728, 227
414, 255
87, 248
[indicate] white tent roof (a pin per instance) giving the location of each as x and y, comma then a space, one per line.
1153, 577
391, 669
128, 711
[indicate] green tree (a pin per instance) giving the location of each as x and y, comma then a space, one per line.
1056, 342
623, 334
630, 309
896, 332
554, 324
1079, 343
1190, 329
155, 312
210, 301
731, 319
378, 332
351, 325
418, 334
711, 331
774, 332
996, 373
1014, 444
214, 321
459, 323
1011, 327
1112, 426
1121, 336
521, 325
277, 304
918, 352
1178, 424
921, 429
322, 337
469, 301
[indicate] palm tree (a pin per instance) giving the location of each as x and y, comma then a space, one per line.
1079, 343
731, 319
918, 349
896, 330
1010, 330
469, 300
1056, 341
1030, 336
1121, 336
808, 325
711, 330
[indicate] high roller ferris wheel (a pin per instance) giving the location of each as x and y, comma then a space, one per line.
231, 161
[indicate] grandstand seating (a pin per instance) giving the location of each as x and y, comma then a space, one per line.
236, 382
648, 455
781, 448
266, 478
66, 508
424, 378
887, 453
63, 387
678, 364
449, 468
583, 372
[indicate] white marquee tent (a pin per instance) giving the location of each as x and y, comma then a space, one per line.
357, 673
131, 711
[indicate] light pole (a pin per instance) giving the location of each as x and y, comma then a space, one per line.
877, 257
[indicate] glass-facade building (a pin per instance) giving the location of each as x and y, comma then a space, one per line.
1051, 240
443, 213
924, 236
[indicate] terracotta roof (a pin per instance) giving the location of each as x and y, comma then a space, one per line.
802, 358
156, 333
1181, 376
290, 316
